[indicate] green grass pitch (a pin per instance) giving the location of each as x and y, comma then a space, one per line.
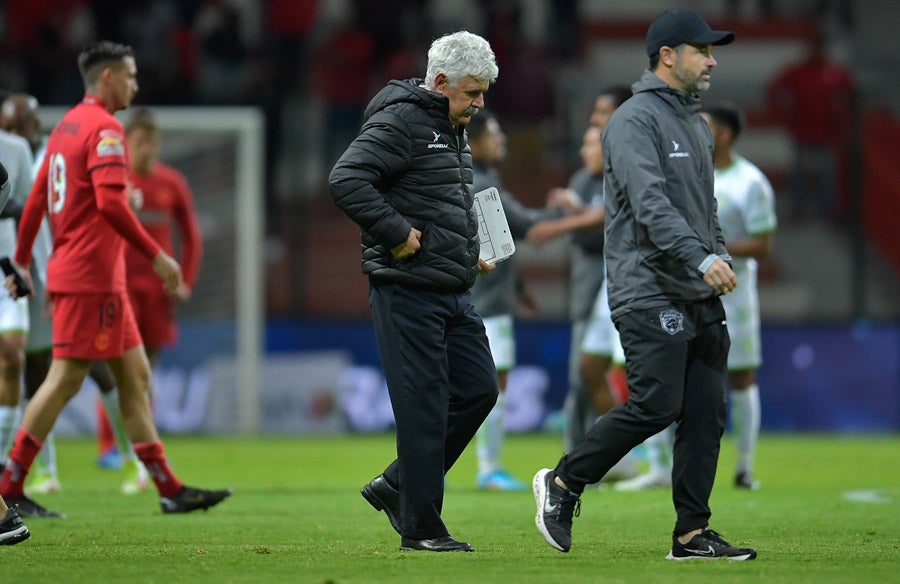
828, 511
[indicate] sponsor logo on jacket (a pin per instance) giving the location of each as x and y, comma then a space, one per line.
677, 152
435, 144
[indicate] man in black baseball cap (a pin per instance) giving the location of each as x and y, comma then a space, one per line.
678, 27
667, 265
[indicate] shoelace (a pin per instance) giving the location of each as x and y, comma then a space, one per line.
716, 540
569, 506
714, 535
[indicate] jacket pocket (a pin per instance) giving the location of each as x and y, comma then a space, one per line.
424, 247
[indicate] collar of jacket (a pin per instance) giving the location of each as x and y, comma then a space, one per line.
688, 103
410, 91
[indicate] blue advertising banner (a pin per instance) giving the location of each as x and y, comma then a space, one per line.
325, 377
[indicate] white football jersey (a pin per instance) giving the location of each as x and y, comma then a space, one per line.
746, 206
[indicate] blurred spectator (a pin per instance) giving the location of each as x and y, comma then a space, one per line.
840, 11
48, 35
530, 98
224, 74
405, 62
234, 70
813, 99
563, 35
150, 27
342, 68
289, 24
394, 21
765, 9
447, 17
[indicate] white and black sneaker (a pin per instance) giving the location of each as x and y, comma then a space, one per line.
12, 530
708, 545
555, 508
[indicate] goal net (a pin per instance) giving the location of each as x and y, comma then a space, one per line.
210, 380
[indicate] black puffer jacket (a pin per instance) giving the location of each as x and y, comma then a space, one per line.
411, 167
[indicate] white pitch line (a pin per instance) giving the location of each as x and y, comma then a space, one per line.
867, 496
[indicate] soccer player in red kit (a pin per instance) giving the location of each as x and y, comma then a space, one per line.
162, 200
82, 187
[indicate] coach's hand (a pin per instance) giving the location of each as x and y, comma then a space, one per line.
410, 246
484, 267
720, 277
169, 271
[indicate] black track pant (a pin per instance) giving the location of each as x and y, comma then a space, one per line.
676, 357
442, 382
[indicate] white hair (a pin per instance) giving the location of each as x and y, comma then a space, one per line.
461, 55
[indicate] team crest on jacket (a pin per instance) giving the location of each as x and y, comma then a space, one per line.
671, 321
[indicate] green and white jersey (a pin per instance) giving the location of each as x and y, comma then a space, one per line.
746, 205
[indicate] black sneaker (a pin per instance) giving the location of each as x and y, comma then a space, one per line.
744, 480
383, 497
708, 545
190, 499
555, 509
12, 530
28, 507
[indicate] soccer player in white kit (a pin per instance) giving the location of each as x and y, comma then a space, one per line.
17, 159
746, 209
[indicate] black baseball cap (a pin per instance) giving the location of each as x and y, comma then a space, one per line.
677, 27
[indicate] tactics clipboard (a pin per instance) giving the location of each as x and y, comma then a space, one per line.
493, 230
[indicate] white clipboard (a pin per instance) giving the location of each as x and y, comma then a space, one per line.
493, 230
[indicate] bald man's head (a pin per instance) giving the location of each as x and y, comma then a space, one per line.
18, 115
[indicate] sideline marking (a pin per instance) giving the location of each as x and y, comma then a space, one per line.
867, 496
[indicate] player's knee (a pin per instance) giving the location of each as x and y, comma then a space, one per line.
12, 359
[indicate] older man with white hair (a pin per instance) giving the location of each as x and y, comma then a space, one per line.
406, 180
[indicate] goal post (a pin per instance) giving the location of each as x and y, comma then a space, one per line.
221, 152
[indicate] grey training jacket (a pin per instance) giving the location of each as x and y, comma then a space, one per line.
661, 221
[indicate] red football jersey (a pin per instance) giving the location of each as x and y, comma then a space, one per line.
166, 198
82, 187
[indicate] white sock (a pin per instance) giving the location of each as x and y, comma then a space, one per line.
489, 439
659, 450
745, 420
8, 426
111, 403
48, 454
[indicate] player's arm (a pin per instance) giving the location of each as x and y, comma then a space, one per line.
32, 214
29, 224
543, 231
755, 246
191, 239
12, 209
112, 203
106, 162
5, 187
759, 221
